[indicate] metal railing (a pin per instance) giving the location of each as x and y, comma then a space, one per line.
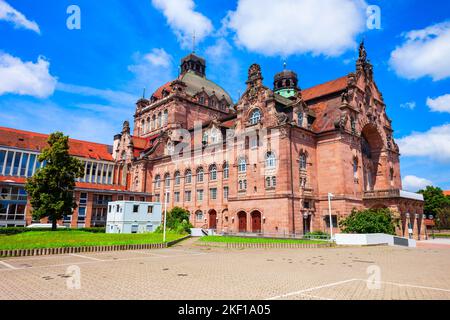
277, 235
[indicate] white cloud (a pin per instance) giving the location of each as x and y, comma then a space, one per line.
219, 50
286, 27
408, 105
184, 20
414, 184
424, 53
159, 58
439, 104
434, 144
19, 20
151, 70
117, 97
26, 78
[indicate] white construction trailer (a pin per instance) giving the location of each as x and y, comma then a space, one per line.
133, 217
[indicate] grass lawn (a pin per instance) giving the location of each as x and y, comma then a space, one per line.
440, 235
255, 240
49, 239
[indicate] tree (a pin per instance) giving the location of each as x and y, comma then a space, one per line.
51, 188
178, 220
434, 200
368, 221
443, 218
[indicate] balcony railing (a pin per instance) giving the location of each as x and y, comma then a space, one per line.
392, 193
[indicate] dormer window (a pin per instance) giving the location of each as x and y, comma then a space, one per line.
255, 116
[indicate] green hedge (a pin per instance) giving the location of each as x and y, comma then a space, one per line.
16, 230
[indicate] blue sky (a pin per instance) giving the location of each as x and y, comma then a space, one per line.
85, 81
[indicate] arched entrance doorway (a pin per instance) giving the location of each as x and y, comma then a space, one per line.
256, 221
242, 221
371, 146
212, 219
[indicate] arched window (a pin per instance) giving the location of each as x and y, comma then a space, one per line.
214, 136
157, 181
213, 172
199, 215
167, 179
153, 122
165, 117
188, 176
274, 181
226, 170
159, 120
205, 137
177, 178
267, 182
302, 161
353, 125
200, 174
142, 125
271, 161
255, 116
300, 119
355, 168
242, 165
242, 184
149, 125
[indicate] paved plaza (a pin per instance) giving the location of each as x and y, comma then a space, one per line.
190, 271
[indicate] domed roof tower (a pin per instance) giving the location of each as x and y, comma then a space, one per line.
286, 83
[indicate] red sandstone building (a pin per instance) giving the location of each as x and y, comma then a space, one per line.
263, 165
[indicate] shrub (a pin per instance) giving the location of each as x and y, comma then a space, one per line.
16, 230
177, 221
368, 221
318, 234
92, 229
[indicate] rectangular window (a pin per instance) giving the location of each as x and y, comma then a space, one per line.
2, 160
135, 208
334, 220
134, 228
157, 198
213, 193
142, 199
83, 198
150, 209
177, 196
226, 172
110, 173
31, 165
81, 214
187, 196
131, 198
17, 163
93, 172
225, 192
119, 198
200, 195
9, 160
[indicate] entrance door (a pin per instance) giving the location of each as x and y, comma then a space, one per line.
256, 222
212, 219
242, 217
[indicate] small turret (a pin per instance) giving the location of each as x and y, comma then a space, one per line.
286, 83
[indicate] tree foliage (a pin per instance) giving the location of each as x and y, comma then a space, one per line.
443, 218
51, 188
178, 220
434, 200
368, 221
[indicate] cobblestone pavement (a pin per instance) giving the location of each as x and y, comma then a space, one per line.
188, 271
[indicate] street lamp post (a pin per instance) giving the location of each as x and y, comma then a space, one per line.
165, 214
330, 195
